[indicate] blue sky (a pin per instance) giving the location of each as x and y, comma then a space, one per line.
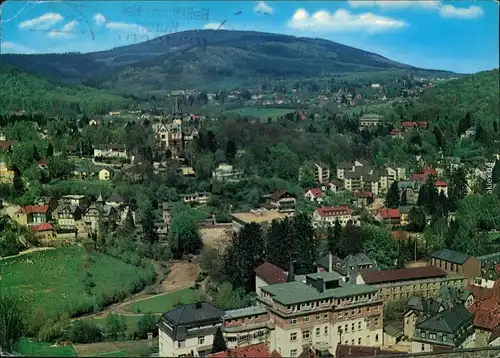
457, 36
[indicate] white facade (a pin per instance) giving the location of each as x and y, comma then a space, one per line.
181, 348
110, 153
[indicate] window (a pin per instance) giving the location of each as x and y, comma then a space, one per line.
445, 338
359, 326
293, 353
293, 337
359, 310
326, 316
306, 334
352, 326
359, 341
293, 321
318, 317
352, 342
318, 332
423, 347
346, 328
376, 338
375, 322
376, 308
422, 335
201, 341
306, 318
181, 344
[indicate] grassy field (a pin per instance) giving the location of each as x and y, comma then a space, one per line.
263, 113
53, 281
38, 349
199, 213
131, 322
164, 303
117, 349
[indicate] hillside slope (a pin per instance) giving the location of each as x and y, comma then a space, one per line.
23, 90
477, 93
191, 58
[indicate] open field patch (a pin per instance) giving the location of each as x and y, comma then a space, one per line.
38, 349
164, 302
259, 112
55, 281
117, 349
214, 237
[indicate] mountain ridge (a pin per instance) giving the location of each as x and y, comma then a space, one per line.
196, 57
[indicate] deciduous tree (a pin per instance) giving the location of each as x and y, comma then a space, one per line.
12, 322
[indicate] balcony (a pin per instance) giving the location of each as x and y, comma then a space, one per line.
247, 327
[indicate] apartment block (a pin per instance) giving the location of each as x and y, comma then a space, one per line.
398, 284
327, 216
321, 312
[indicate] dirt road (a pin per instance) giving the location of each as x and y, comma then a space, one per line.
29, 251
182, 275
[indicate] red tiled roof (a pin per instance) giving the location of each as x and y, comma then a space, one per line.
486, 307
390, 213
440, 183
317, 192
418, 177
396, 132
363, 194
270, 273
405, 274
256, 350
33, 209
422, 124
334, 210
364, 351
428, 171
409, 124
43, 162
41, 227
6, 144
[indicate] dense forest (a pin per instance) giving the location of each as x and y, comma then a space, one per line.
32, 93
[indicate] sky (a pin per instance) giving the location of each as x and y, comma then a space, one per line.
459, 36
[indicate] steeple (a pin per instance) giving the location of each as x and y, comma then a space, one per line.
291, 274
100, 200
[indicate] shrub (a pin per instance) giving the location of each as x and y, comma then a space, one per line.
147, 324
84, 331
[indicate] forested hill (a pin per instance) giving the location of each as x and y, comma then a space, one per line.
197, 58
477, 94
26, 91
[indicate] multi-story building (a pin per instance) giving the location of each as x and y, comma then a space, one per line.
188, 330
321, 173
370, 121
281, 200
398, 284
456, 263
227, 173
321, 313
349, 267
167, 212
327, 216
196, 198
247, 326
111, 151
174, 136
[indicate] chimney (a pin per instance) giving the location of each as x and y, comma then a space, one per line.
330, 261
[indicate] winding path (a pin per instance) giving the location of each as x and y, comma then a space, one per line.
29, 251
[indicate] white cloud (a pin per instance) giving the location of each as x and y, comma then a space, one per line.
44, 22
99, 19
263, 7
213, 26
343, 21
426, 4
67, 30
12, 47
471, 12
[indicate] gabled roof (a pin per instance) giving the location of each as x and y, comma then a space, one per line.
316, 192
115, 199
181, 318
345, 165
455, 257
334, 211
278, 194
270, 273
447, 321
41, 227
33, 209
405, 274
388, 214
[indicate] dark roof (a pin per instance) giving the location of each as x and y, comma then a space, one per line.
424, 306
448, 321
345, 165
115, 199
278, 194
364, 351
455, 257
494, 335
271, 274
405, 274
393, 330
166, 205
180, 319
